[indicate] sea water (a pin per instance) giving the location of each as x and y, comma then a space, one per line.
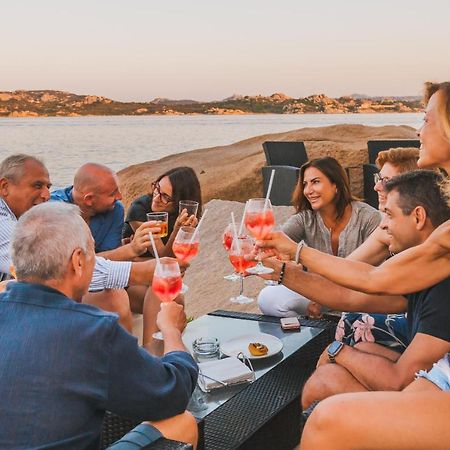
120, 141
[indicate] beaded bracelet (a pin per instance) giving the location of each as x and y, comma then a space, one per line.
280, 278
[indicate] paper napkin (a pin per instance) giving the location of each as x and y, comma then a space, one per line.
228, 371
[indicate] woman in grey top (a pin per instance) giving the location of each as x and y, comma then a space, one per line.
328, 218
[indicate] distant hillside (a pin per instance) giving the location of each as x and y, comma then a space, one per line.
57, 103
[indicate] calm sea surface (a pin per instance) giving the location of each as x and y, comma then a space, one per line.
66, 142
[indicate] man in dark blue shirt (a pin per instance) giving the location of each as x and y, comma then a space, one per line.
63, 363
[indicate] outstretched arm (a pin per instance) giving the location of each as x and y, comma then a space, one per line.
410, 271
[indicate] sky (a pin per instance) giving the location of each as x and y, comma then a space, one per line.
136, 50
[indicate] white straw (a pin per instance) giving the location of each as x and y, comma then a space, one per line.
198, 226
155, 252
235, 232
242, 220
269, 189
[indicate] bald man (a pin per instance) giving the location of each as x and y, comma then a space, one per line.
96, 192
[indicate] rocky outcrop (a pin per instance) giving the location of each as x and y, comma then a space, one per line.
57, 103
233, 172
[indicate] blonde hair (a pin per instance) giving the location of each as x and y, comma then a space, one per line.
443, 105
404, 159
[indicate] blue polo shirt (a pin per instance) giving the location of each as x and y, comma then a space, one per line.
106, 228
62, 364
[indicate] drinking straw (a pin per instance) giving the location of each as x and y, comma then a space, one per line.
155, 252
272, 174
242, 220
235, 232
198, 226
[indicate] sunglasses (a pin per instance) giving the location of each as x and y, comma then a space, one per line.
165, 199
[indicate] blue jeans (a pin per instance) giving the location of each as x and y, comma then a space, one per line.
439, 374
138, 437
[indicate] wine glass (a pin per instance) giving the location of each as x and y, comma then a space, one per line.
240, 254
185, 247
166, 283
227, 239
259, 220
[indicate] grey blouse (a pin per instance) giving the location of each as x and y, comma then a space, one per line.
308, 225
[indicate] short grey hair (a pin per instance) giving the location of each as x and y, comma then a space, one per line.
45, 238
12, 167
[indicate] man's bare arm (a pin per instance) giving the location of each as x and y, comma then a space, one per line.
410, 271
327, 293
374, 250
378, 373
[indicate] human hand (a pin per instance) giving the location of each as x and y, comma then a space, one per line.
275, 264
278, 242
314, 310
185, 220
170, 317
141, 239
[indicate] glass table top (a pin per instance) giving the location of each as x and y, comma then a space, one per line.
225, 328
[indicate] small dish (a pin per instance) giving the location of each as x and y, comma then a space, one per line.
240, 344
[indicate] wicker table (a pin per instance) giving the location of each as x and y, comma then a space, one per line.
265, 414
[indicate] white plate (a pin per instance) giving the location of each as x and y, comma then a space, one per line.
240, 344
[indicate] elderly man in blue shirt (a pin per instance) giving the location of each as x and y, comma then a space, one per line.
64, 363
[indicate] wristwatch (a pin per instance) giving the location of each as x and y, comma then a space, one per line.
333, 349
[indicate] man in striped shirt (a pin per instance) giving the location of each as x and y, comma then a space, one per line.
25, 182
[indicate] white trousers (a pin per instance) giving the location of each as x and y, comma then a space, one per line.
279, 301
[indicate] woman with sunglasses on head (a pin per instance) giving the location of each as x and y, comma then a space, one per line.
180, 183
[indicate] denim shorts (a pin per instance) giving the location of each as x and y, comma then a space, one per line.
137, 438
439, 374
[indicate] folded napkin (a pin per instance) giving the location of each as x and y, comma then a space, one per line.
223, 372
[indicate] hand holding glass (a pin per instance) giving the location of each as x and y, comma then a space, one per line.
161, 220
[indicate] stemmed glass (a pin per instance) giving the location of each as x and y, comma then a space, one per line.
241, 258
166, 283
227, 239
259, 220
185, 247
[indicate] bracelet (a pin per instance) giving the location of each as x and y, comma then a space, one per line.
300, 245
280, 278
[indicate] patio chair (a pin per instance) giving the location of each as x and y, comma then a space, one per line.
115, 427
376, 146
284, 182
285, 158
285, 153
370, 196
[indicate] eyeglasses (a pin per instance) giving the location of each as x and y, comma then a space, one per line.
165, 199
379, 179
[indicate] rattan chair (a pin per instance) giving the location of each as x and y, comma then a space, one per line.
115, 427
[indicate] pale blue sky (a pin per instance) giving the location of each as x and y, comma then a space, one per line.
204, 50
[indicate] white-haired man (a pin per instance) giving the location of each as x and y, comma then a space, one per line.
73, 360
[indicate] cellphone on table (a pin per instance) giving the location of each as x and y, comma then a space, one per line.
290, 323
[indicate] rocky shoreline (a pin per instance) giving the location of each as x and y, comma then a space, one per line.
233, 172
